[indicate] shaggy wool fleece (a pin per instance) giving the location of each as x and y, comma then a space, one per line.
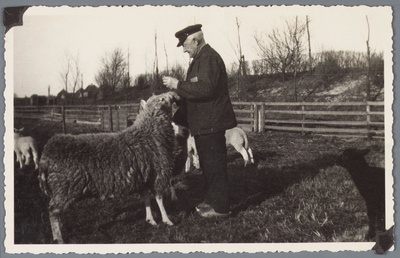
112, 164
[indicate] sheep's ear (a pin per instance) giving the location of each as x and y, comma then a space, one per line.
364, 152
142, 104
176, 128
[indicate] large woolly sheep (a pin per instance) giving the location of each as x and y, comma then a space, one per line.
370, 182
138, 159
24, 148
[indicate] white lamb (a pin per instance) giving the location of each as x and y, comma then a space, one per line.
235, 137
23, 147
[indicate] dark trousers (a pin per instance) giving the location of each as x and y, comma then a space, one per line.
213, 161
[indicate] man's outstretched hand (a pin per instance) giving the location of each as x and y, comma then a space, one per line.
170, 82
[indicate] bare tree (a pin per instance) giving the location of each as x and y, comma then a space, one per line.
309, 45
112, 74
76, 74
156, 71
282, 48
128, 76
166, 57
241, 69
65, 70
296, 53
70, 73
368, 88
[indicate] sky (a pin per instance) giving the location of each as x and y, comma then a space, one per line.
39, 46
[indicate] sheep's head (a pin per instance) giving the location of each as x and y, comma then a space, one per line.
17, 133
352, 157
161, 104
18, 130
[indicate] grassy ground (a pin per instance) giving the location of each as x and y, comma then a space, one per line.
294, 193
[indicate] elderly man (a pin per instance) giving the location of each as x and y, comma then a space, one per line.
207, 111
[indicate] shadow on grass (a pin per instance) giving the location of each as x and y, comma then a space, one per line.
253, 184
262, 183
31, 220
258, 156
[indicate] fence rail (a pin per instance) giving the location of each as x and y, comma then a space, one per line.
341, 118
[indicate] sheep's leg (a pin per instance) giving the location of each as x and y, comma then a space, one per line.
147, 203
371, 213
380, 217
19, 159
35, 159
244, 153
23, 160
164, 216
55, 222
196, 161
187, 164
27, 158
251, 155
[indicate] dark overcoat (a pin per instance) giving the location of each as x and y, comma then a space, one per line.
206, 105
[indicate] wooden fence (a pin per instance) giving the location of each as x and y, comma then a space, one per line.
341, 118
106, 117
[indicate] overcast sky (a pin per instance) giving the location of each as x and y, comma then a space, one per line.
48, 32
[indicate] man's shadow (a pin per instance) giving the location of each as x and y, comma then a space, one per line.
250, 185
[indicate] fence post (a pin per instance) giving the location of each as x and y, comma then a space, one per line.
303, 116
261, 119
102, 120
111, 120
117, 114
368, 109
63, 119
255, 118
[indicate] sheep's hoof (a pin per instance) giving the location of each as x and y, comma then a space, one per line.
56, 241
169, 223
152, 222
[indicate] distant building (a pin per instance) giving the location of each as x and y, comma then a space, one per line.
81, 97
51, 100
36, 100
22, 101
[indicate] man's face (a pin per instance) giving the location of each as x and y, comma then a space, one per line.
190, 47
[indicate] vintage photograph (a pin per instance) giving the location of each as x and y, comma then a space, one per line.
196, 126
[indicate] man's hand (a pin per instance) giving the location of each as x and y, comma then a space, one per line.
170, 82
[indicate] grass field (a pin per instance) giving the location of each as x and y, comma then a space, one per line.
294, 193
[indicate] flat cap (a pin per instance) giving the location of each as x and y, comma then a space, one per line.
183, 34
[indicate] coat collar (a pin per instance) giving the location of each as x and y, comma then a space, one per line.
206, 46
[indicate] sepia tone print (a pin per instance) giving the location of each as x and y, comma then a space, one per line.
99, 158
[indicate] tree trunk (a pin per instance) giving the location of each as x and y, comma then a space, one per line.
368, 88
309, 46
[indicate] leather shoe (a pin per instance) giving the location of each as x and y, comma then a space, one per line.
211, 213
202, 206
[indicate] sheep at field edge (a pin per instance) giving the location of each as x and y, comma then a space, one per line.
370, 182
234, 136
23, 147
138, 159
